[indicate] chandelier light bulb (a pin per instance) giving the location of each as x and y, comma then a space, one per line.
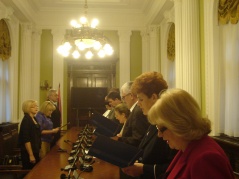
83, 20
67, 46
65, 53
94, 23
101, 53
85, 40
60, 49
74, 23
97, 45
80, 45
76, 54
89, 55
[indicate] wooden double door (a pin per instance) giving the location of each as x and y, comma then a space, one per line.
88, 83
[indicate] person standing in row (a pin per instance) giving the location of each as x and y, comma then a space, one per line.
121, 113
29, 139
52, 96
157, 155
137, 124
179, 120
46, 126
114, 99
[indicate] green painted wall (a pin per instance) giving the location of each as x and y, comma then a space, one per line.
46, 62
135, 55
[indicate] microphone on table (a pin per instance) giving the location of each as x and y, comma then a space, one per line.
86, 158
74, 145
86, 167
75, 174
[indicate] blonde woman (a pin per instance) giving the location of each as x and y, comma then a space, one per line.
46, 126
178, 119
29, 135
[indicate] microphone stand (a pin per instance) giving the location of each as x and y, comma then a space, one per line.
77, 152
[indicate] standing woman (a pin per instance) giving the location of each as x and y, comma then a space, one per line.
156, 155
29, 135
46, 126
178, 118
122, 113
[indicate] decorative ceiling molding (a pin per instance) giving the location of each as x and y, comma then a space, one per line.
112, 14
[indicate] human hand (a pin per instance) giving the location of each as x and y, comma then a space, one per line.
119, 135
32, 159
56, 130
115, 138
134, 170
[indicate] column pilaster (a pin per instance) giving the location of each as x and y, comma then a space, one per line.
145, 50
36, 45
154, 48
124, 61
26, 89
188, 47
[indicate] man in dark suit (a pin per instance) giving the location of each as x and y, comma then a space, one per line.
137, 124
52, 96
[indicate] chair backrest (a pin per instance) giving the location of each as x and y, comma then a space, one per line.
236, 175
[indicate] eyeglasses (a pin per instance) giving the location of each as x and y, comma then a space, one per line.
123, 97
161, 129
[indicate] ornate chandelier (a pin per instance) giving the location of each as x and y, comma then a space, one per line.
84, 39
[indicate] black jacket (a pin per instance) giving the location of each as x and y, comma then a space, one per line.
156, 152
135, 127
29, 132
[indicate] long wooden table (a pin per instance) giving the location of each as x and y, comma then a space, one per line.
50, 166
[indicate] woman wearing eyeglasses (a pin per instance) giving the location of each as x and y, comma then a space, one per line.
179, 121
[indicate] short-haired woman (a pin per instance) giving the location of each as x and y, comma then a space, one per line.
46, 126
122, 113
178, 118
29, 135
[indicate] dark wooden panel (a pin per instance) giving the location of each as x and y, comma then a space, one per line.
8, 138
231, 147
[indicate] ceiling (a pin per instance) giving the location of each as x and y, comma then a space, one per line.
112, 14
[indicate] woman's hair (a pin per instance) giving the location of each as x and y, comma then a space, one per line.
47, 106
122, 108
26, 105
178, 111
149, 83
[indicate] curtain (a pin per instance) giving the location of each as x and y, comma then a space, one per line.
229, 49
228, 11
5, 113
5, 42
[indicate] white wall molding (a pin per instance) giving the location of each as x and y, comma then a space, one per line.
124, 55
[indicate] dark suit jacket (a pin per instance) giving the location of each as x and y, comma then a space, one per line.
135, 127
156, 152
202, 158
56, 120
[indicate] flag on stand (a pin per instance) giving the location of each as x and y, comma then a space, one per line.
59, 101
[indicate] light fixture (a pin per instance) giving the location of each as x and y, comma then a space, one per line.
45, 85
85, 40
